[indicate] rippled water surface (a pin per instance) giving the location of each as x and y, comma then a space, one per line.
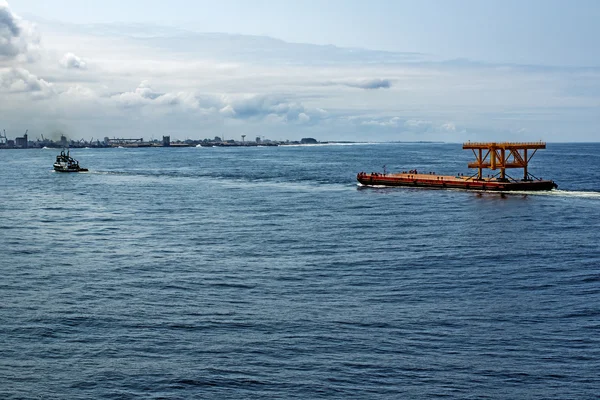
182, 273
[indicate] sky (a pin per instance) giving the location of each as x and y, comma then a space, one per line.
337, 70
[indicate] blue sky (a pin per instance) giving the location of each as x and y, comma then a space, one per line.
531, 32
355, 70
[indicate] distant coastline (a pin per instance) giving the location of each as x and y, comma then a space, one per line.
24, 142
40, 143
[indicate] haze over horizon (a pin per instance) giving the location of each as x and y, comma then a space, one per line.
342, 70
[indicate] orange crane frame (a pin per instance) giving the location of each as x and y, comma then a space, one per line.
502, 156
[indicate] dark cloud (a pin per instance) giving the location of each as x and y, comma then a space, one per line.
9, 33
370, 84
16, 37
367, 84
7, 21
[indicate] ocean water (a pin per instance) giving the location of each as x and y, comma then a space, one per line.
267, 273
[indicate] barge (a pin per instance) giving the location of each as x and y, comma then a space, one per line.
493, 156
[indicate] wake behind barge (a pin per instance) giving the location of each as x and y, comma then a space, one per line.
497, 156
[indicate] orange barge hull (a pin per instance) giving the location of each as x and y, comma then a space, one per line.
453, 182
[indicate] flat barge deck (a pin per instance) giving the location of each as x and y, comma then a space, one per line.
452, 182
493, 156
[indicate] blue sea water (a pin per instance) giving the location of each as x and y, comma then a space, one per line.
266, 272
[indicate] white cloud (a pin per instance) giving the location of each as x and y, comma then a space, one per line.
226, 83
417, 124
79, 92
449, 126
412, 126
71, 61
302, 117
144, 95
388, 123
20, 80
239, 107
227, 111
260, 106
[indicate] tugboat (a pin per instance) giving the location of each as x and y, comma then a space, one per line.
65, 163
498, 156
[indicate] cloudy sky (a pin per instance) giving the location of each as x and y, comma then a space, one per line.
372, 70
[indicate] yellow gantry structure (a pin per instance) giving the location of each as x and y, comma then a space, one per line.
502, 156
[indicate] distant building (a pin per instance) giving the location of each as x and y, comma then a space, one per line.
308, 140
258, 139
21, 141
63, 140
166, 141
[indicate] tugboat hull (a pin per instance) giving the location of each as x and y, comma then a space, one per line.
61, 169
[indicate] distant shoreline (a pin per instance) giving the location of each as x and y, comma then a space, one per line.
205, 144
231, 145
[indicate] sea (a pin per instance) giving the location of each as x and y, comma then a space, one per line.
269, 273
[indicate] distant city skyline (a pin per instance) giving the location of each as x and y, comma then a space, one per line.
339, 70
